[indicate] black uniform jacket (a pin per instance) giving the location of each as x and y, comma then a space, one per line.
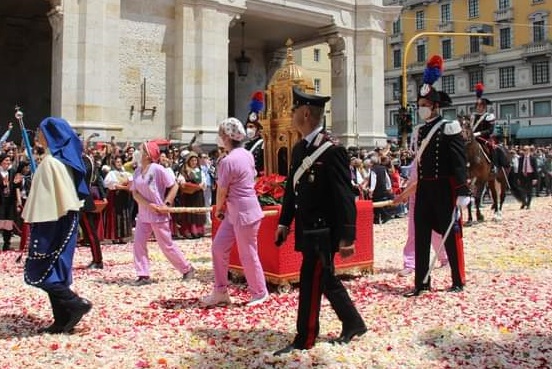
92, 178
322, 197
258, 153
486, 126
445, 155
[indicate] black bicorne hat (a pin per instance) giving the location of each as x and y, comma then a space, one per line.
479, 89
301, 98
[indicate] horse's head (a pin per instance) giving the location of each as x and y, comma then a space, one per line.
467, 131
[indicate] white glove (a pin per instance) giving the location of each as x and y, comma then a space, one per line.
477, 134
463, 201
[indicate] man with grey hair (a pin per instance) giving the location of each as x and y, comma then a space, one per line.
369, 183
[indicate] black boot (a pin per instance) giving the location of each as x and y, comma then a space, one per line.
7, 235
417, 291
76, 308
60, 317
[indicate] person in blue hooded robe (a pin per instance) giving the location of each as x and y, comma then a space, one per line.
52, 209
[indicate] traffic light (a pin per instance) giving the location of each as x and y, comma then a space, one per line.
486, 40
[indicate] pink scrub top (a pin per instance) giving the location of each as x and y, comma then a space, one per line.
152, 186
236, 171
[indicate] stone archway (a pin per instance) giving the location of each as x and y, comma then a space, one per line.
25, 62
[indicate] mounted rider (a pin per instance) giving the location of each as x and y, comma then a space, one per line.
482, 123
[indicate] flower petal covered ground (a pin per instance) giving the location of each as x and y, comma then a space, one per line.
503, 319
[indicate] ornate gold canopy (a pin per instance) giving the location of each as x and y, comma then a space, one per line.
279, 134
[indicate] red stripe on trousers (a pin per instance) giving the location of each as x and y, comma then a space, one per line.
458, 241
314, 305
25, 232
460, 253
95, 248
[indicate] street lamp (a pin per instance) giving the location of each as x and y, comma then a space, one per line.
242, 63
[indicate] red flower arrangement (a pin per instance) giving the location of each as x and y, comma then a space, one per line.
270, 189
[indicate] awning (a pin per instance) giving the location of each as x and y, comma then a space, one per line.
540, 131
514, 128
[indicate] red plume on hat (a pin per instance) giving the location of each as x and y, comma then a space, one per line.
256, 105
432, 72
257, 102
479, 88
434, 69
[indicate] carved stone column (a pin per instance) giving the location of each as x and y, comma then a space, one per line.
55, 17
201, 65
343, 88
85, 42
357, 56
97, 67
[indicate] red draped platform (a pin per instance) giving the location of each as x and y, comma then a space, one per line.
281, 264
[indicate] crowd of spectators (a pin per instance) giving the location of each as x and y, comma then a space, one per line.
381, 173
378, 174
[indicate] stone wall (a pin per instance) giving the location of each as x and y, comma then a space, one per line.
146, 52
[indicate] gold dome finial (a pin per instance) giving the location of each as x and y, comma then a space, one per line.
289, 56
290, 73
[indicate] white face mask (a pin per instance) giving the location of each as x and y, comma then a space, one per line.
251, 132
424, 112
220, 142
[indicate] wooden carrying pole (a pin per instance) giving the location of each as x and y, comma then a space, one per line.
198, 210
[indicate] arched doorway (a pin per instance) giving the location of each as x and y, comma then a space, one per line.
25, 63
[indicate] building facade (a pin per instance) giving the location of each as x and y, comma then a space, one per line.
138, 69
316, 62
514, 64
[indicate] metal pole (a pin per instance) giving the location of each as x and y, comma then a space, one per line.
417, 36
19, 117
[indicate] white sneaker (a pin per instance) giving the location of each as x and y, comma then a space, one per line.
257, 300
406, 272
216, 299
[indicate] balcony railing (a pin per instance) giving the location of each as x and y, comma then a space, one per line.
502, 15
473, 60
393, 2
396, 38
445, 26
536, 49
417, 67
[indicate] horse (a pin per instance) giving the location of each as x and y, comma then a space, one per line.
481, 175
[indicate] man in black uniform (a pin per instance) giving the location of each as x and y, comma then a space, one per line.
255, 142
88, 216
322, 204
441, 188
483, 123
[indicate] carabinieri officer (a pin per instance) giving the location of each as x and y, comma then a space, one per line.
442, 183
322, 204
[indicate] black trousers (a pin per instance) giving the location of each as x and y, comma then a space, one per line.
435, 201
315, 280
88, 225
61, 297
526, 184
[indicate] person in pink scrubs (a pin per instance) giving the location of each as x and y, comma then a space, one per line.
154, 189
238, 207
